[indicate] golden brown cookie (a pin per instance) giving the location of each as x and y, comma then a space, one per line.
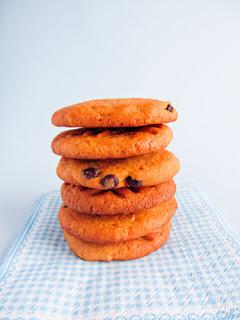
111, 229
120, 201
145, 170
109, 143
126, 250
132, 112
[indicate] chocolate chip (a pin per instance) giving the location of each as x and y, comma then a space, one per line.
123, 130
169, 108
133, 183
135, 190
96, 131
90, 173
79, 132
110, 181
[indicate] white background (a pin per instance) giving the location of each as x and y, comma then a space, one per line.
54, 53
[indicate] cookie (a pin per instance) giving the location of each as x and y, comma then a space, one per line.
107, 143
132, 112
145, 170
111, 229
120, 201
125, 250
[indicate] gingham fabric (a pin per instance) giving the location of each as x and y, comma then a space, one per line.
196, 275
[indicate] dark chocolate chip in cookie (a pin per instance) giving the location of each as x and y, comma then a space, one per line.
116, 131
133, 183
96, 131
169, 108
92, 114
110, 181
97, 144
90, 173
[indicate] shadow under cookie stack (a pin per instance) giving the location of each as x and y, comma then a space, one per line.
118, 190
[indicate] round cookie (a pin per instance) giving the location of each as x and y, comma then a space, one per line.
126, 250
145, 170
107, 143
112, 229
120, 201
132, 112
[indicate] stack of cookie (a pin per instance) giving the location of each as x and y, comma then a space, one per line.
118, 192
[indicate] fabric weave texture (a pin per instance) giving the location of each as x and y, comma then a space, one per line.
196, 275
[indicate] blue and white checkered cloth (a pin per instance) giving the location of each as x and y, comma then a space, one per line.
196, 275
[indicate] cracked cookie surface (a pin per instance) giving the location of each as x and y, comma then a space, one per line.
124, 250
130, 112
111, 229
145, 170
109, 143
116, 201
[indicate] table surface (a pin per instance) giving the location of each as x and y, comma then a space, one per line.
181, 280
54, 55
